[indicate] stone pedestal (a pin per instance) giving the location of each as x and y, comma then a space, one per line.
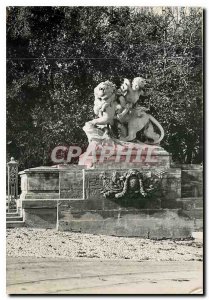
73, 198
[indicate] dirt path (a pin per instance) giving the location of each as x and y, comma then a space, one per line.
30, 275
51, 243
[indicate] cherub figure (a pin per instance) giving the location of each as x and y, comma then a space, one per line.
135, 115
131, 94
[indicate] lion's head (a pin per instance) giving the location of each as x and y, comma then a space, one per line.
138, 83
104, 90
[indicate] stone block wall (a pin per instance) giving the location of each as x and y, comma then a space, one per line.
78, 204
192, 194
192, 181
71, 184
148, 223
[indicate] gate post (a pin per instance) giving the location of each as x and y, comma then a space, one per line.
12, 179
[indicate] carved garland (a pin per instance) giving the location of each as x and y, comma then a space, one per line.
133, 183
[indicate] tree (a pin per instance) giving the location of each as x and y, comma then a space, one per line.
57, 55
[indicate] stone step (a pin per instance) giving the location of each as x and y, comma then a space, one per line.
191, 202
14, 218
198, 199
191, 191
191, 183
191, 198
11, 211
193, 213
15, 224
12, 214
193, 209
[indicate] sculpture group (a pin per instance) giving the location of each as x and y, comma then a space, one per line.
120, 116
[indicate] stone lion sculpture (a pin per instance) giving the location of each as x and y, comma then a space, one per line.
123, 105
104, 103
105, 106
137, 120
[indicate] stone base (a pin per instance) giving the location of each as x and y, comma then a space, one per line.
109, 218
147, 223
70, 198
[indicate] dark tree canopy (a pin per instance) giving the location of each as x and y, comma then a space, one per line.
57, 55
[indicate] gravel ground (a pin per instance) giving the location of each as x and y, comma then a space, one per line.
51, 243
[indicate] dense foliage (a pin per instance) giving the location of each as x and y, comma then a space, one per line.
57, 55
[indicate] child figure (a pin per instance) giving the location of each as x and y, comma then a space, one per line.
129, 103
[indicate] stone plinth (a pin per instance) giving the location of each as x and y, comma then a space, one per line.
71, 198
148, 223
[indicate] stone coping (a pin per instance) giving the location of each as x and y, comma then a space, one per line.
53, 203
65, 168
52, 169
79, 167
30, 201
44, 203
187, 166
166, 170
